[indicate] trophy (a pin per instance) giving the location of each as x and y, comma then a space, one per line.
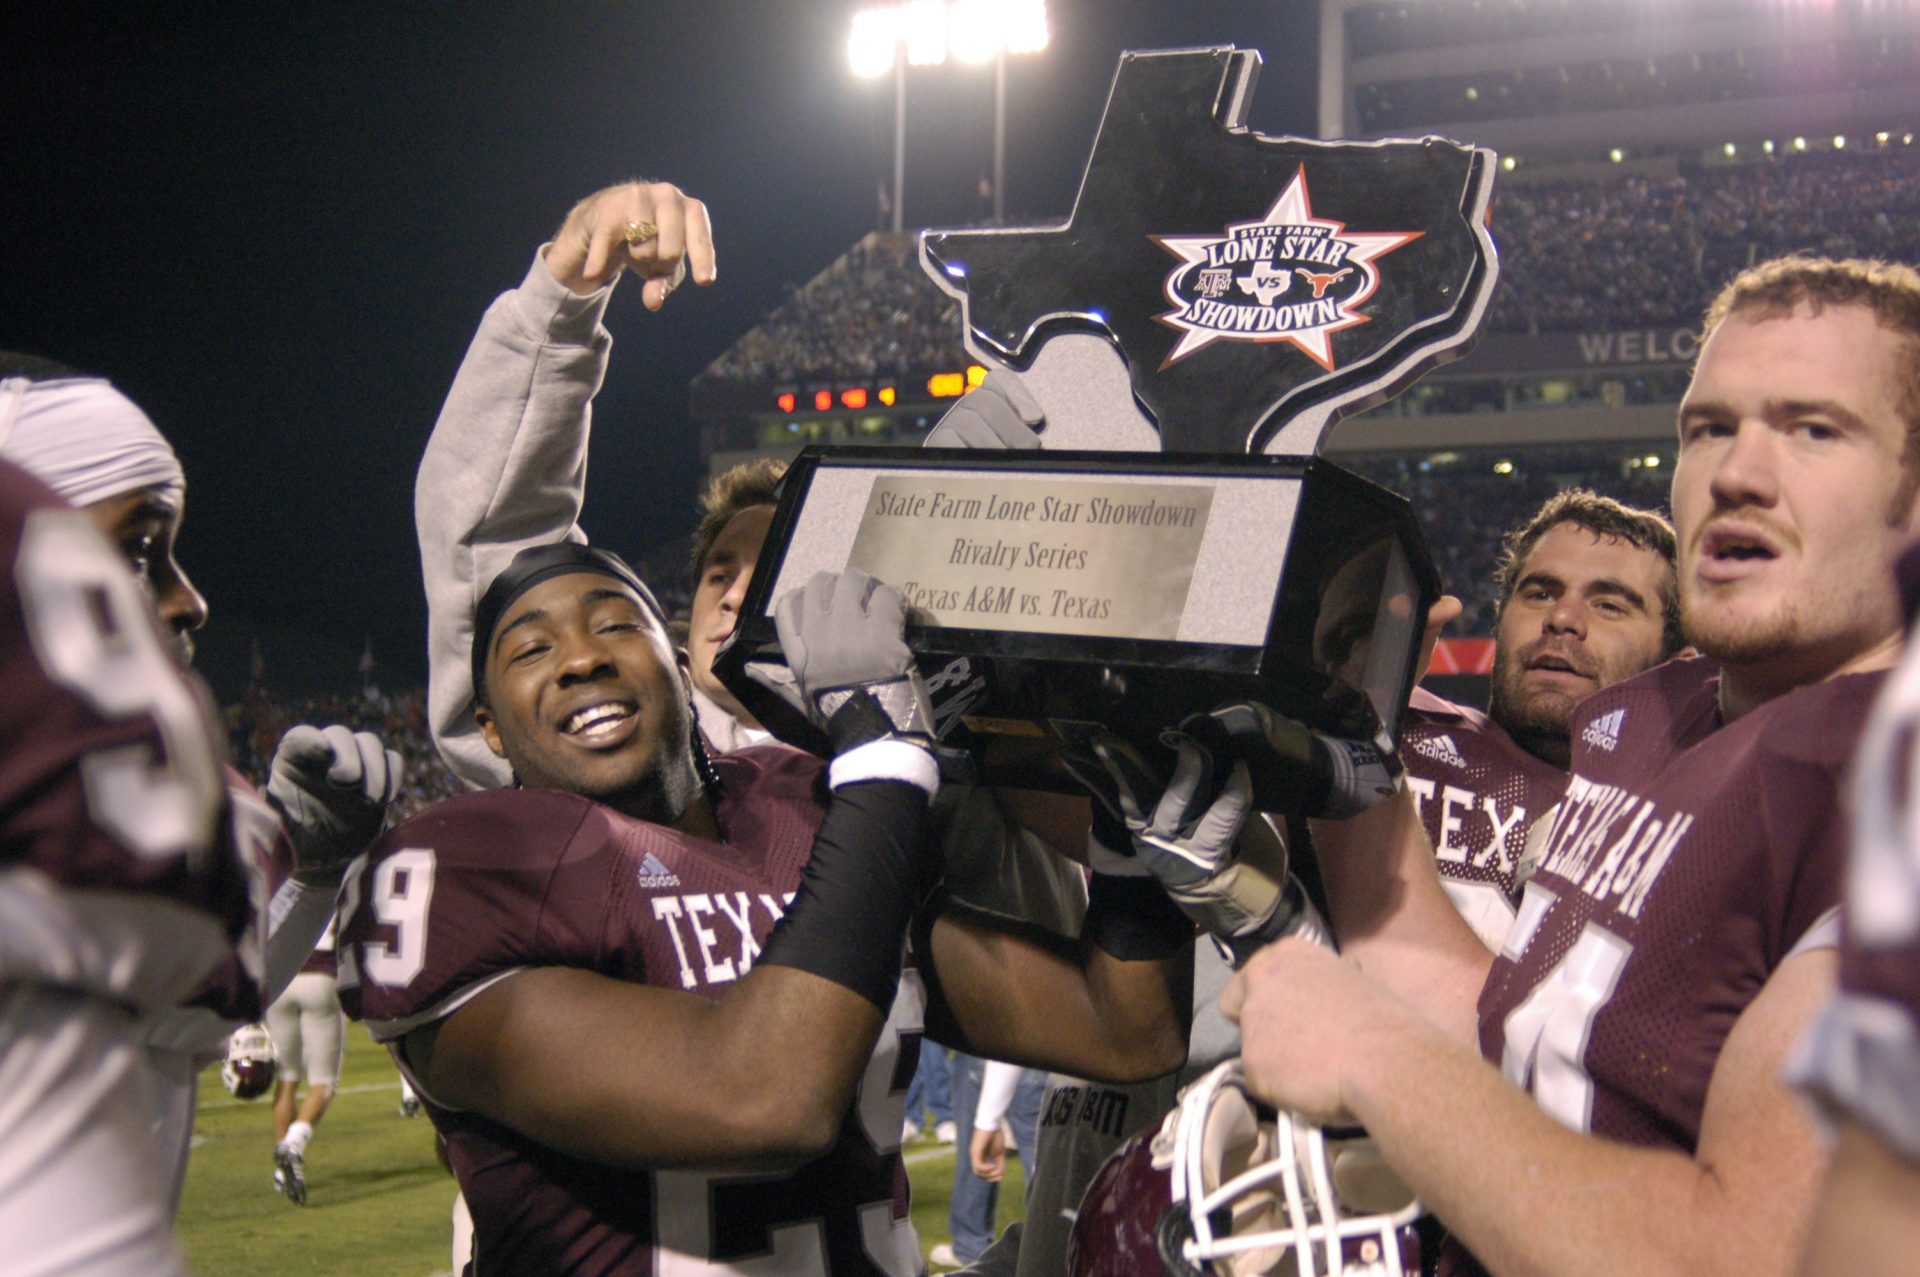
1215, 302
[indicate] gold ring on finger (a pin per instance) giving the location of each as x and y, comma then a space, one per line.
639, 232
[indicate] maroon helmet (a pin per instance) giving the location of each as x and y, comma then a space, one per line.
249, 1070
1224, 1187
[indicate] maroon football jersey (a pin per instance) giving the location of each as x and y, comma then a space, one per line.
1862, 1056
480, 886
1477, 793
109, 775
1683, 867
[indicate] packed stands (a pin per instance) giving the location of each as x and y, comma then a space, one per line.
1467, 500
1588, 253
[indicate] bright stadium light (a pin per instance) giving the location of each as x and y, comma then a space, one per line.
975, 35
924, 26
870, 44
926, 33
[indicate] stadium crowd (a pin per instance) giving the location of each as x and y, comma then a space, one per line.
1619, 251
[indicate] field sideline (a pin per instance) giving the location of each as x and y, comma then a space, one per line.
378, 1200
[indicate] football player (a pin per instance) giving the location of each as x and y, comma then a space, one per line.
328, 790
1587, 598
504, 463
310, 1039
119, 893
1624, 1111
1861, 1059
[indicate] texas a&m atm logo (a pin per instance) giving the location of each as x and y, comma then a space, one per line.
1290, 276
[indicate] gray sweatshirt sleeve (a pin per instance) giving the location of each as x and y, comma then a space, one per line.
506, 468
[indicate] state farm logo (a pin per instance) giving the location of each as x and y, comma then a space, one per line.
1290, 276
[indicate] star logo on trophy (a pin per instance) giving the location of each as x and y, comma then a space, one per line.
1288, 277
1242, 330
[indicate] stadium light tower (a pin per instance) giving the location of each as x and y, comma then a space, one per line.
926, 33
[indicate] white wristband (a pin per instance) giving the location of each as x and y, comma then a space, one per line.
888, 759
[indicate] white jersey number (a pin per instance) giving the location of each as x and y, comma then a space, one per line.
402, 890
94, 635
1546, 1036
689, 1207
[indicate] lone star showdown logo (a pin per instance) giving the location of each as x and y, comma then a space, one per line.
1230, 287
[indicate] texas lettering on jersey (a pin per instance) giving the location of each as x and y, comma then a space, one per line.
1608, 966
1477, 793
1610, 1001
482, 886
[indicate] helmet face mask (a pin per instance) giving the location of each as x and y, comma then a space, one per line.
249, 1069
1242, 1191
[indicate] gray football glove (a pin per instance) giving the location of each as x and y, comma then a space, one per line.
331, 788
999, 413
851, 672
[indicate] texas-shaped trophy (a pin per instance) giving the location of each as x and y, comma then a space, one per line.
1216, 301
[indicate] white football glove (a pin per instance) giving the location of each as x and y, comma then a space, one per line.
332, 788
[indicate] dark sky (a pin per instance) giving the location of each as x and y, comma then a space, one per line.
275, 226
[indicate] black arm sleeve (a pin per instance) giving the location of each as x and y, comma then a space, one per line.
873, 863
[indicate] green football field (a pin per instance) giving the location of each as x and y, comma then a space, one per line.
378, 1202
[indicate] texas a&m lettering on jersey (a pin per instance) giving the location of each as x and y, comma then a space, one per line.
1685, 866
481, 886
1611, 1000
1477, 793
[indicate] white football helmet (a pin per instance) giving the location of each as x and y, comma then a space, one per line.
249, 1070
1226, 1187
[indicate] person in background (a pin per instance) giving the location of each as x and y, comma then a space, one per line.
309, 1041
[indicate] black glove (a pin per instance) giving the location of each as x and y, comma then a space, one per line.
1312, 773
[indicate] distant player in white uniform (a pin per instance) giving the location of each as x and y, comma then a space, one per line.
309, 1041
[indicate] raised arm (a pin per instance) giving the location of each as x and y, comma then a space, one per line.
506, 466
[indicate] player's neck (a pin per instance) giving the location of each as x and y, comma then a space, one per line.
698, 819
1744, 688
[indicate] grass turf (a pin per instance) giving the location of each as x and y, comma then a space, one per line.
378, 1202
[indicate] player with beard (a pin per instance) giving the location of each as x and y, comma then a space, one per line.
1625, 1110
328, 789
1587, 598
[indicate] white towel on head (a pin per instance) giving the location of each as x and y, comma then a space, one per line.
84, 439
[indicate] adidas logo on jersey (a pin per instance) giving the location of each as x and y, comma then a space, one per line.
654, 875
1604, 731
1440, 749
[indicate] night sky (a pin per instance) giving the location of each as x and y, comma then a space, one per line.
275, 226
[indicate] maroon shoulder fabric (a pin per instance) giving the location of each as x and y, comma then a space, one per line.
1477, 791
90, 795
1862, 1056
487, 883
1668, 893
